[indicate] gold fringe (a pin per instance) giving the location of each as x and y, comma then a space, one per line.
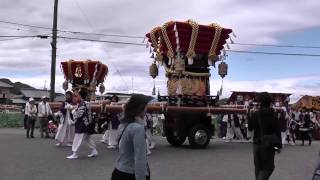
212, 53
195, 27
170, 52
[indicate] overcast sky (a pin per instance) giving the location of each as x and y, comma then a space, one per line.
265, 22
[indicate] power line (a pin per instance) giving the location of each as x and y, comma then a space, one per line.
18, 29
44, 36
274, 45
26, 25
140, 44
235, 51
102, 41
275, 53
74, 32
117, 70
83, 14
142, 37
11, 39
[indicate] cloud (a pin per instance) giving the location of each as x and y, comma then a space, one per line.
252, 21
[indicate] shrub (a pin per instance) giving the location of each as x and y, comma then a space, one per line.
11, 120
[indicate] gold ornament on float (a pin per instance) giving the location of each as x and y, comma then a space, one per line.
223, 69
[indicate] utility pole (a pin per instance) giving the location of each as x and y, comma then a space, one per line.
54, 51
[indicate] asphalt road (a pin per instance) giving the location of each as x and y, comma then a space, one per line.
39, 159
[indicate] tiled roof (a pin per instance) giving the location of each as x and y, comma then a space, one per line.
35, 93
5, 85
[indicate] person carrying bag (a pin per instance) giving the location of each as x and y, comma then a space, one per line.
132, 161
266, 137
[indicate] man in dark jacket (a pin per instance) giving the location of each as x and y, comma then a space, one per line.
264, 122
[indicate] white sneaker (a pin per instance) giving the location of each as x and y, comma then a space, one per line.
103, 141
152, 145
111, 147
58, 144
69, 144
73, 156
94, 153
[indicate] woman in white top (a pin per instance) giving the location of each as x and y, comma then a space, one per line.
65, 133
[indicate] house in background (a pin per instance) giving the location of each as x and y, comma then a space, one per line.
122, 96
37, 94
244, 97
5, 94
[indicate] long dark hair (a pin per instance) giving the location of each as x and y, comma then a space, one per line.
135, 107
265, 99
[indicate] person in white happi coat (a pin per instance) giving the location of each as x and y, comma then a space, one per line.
25, 115
313, 118
65, 133
44, 111
105, 136
31, 110
84, 126
230, 129
236, 128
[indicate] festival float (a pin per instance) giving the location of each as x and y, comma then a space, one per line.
187, 51
85, 74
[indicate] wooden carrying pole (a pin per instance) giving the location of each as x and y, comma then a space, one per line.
159, 109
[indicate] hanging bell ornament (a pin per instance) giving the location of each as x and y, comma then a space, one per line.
234, 35
153, 70
223, 69
232, 42
102, 89
228, 45
65, 85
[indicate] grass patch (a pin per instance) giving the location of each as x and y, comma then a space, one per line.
11, 120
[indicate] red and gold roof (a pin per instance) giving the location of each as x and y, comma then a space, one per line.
190, 37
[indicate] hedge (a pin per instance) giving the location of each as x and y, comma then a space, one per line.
11, 120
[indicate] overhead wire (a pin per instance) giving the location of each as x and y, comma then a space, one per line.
102, 41
274, 53
73, 32
11, 39
83, 14
91, 26
274, 45
141, 44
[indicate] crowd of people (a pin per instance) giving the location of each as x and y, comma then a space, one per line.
75, 123
293, 124
131, 131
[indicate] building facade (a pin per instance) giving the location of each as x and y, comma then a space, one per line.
5, 94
